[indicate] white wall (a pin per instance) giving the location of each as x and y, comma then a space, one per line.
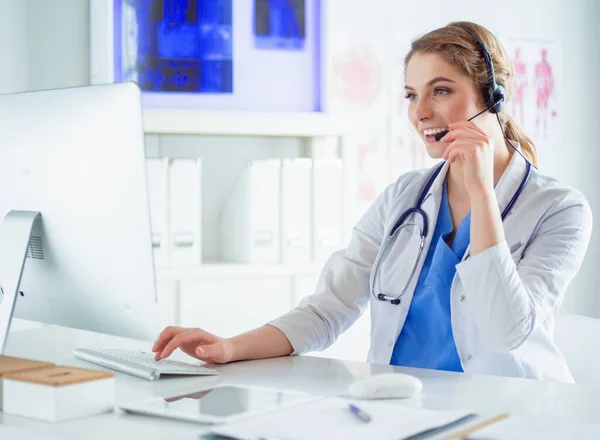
45, 43
58, 43
13, 47
577, 162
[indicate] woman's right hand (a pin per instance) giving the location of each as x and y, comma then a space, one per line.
194, 342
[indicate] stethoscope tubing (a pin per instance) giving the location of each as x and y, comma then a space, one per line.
417, 210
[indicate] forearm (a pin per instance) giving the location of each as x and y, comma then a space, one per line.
264, 342
486, 221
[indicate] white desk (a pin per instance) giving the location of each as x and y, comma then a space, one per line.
442, 390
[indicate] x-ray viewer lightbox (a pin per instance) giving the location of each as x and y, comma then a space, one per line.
246, 55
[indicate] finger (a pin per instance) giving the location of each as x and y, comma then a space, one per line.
458, 134
452, 148
468, 125
465, 153
452, 155
456, 154
165, 336
178, 340
463, 132
458, 148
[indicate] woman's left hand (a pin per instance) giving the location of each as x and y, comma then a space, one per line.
474, 148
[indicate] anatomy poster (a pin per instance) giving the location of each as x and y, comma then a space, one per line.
371, 161
359, 73
536, 100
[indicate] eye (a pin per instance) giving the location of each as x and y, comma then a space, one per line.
440, 91
410, 96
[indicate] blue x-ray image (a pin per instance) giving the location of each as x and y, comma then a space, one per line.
176, 45
279, 24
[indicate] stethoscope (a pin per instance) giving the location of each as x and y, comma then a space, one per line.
417, 210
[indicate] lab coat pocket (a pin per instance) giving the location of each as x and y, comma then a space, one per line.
386, 321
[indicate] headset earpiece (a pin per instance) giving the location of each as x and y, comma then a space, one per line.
497, 97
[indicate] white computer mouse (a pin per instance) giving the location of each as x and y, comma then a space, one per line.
386, 386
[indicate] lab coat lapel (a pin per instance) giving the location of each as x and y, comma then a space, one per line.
431, 205
511, 179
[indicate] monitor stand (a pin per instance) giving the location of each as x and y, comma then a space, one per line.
15, 233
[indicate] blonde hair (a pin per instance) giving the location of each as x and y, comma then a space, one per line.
462, 51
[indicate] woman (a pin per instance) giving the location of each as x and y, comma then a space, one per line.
473, 279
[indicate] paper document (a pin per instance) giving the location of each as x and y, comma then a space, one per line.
331, 418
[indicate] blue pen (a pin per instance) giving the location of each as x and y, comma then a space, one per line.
363, 416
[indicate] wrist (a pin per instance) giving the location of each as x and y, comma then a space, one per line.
481, 193
233, 349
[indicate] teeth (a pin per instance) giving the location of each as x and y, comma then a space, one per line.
432, 131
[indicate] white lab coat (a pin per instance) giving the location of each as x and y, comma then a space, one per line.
503, 301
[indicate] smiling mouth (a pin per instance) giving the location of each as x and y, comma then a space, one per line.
432, 131
435, 134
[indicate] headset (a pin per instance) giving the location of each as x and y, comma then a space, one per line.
494, 96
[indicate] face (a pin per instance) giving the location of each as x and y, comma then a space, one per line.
439, 94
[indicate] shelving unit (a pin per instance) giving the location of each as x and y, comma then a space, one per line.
226, 141
224, 270
207, 123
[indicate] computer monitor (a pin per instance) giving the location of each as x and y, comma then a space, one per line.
77, 157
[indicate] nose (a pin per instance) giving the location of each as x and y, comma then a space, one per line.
423, 109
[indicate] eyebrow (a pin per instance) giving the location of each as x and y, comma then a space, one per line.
432, 82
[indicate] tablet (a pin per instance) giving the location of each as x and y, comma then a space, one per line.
221, 404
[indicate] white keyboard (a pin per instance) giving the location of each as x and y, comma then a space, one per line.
139, 363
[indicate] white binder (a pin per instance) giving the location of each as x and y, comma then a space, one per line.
185, 185
157, 172
250, 221
327, 207
296, 210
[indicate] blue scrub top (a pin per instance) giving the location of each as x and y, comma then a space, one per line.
426, 340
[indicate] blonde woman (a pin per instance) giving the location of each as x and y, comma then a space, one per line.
465, 265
